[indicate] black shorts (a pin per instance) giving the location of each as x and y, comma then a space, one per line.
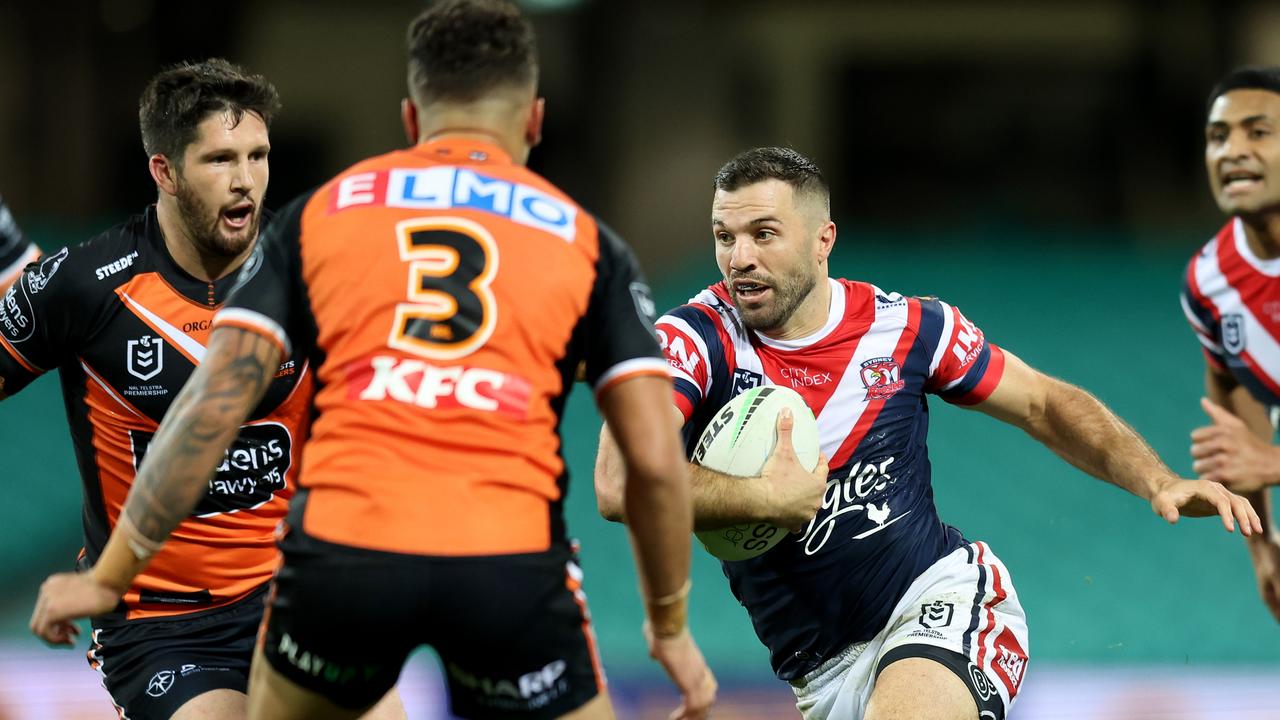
512, 631
153, 667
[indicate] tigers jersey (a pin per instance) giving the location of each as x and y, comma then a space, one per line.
1231, 297
448, 296
15, 251
126, 327
865, 375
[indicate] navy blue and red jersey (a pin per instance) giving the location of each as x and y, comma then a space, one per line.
1232, 299
865, 375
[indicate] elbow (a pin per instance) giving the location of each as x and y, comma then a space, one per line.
609, 497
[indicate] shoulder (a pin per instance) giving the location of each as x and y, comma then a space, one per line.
106, 259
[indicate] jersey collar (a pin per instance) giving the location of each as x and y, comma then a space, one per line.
1269, 267
463, 150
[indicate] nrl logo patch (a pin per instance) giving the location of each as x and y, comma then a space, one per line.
1233, 333
144, 357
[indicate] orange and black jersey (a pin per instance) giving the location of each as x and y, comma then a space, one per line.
445, 296
126, 327
15, 251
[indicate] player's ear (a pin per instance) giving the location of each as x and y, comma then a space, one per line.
164, 172
826, 240
409, 119
533, 126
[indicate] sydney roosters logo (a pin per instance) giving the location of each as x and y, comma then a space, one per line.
882, 377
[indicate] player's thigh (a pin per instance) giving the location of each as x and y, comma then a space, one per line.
340, 624
390, 707
221, 704
915, 688
272, 696
518, 642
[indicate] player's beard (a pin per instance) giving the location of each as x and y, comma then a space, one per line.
204, 225
788, 293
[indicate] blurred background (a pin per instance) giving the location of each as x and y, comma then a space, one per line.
1038, 163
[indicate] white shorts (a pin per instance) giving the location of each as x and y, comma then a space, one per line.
962, 612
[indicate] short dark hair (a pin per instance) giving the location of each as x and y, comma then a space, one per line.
462, 49
178, 99
773, 163
1253, 77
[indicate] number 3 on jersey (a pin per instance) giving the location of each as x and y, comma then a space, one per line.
451, 310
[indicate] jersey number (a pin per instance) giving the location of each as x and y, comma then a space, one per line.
451, 310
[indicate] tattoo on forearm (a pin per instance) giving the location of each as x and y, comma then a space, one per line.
201, 424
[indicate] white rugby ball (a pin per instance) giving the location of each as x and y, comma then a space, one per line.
738, 441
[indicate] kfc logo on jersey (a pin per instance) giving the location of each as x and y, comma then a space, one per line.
144, 357
1233, 333
429, 386
882, 377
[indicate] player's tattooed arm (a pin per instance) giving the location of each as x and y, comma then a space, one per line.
200, 426
195, 434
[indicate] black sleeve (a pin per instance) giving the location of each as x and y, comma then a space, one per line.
619, 340
43, 319
268, 297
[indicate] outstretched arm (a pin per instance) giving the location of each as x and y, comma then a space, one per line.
1085, 433
195, 434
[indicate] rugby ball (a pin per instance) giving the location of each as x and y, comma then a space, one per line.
738, 441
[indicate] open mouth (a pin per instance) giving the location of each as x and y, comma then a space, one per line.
1240, 181
238, 216
750, 290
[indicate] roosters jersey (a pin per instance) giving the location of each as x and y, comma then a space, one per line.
15, 251
126, 327
1231, 297
448, 296
865, 375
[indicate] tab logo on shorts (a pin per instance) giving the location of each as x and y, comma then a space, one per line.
252, 471
1233, 333
144, 357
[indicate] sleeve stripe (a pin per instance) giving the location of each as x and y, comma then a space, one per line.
699, 342
10, 273
256, 322
679, 374
944, 339
987, 385
628, 368
19, 357
1191, 315
1210, 344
